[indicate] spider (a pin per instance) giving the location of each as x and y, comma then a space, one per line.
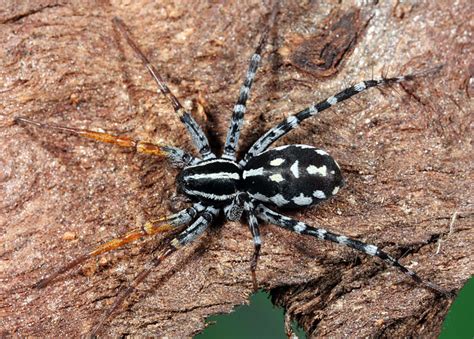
265, 179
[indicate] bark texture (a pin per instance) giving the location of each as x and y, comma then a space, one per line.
405, 152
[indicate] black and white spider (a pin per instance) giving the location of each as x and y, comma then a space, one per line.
289, 176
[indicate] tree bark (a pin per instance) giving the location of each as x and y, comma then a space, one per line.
405, 153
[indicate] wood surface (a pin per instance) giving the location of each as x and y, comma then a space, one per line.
405, 152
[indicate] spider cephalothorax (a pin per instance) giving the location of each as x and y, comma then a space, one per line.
289, 176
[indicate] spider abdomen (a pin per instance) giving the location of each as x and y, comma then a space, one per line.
213, 181
292, 176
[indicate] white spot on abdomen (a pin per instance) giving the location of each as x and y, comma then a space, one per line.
295, 170
279, 200
335, 190
302, 200
277, 162
321, 152
319, 194
322, 171
276, 178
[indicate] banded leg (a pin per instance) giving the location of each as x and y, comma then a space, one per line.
233, 132
148, 229
196, 229
299, 227
175, 155
184, 238
257, 242
293, 121
197, 135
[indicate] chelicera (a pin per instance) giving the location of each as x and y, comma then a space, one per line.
265, 179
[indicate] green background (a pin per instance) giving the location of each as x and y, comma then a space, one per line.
261, 319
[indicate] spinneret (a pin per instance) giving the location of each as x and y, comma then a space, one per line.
289, 176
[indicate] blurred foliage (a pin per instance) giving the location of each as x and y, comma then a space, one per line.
262, 320
459, 322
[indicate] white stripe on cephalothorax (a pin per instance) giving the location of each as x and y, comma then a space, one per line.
252, 172
210, 196
213, 176
214, 161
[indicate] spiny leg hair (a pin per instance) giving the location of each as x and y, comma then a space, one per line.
197, 135
236, 122
293, 121
127, 291
150, 228
188, 235
176, 156
299, 227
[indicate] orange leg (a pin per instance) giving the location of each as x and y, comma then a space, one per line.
150, 228
174, 154
184, 238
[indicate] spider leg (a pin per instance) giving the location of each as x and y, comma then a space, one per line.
299, 227
196, 229
148, 229
125, 292
233, 132
257, 242
197, 135
184, 238
175, 155
293, 121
